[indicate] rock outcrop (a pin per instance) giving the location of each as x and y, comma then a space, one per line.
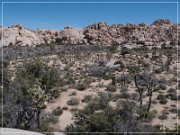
161, 32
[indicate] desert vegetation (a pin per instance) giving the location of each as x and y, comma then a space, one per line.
117, 87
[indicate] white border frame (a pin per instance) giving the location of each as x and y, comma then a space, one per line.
90, 2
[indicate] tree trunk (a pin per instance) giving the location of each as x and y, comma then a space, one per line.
140, 97
150, 101
38, 118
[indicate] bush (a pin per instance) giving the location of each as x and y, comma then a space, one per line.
163, 116
108, 76
111, 88
58, 111
162, 86
55, 93
172, 94
73, 101
103, 100
65, 108
134, 96
120, 63
158, 71
173, 110
162, 98
45, 127
125, 95
81, 86
115, 97
52, 119
150, 115
125, 50
87, 98
97, 71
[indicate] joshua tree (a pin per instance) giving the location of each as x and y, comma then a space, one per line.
135, 72
169, 60
143, 81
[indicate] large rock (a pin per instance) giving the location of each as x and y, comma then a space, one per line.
161, 32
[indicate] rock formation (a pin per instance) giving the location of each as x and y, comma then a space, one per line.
161, 32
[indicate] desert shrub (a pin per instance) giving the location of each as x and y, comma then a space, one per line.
81, 86
162, 98
97, 71
125, 95
87, 98
150, 115
45, 127
55, 93
172, 94
32, 86
120, 63
87, 80
162, 86
107, 120
171, 90
115, 97
158, 71
124, 50
124, 89
73, 93
68, 81
173, 110
134, 96
65, 108
50, 78
111, 88
101, 62
52, 119
108, 76
103, 100
73, 101
163, 116
58, 111
145, 115
125, 78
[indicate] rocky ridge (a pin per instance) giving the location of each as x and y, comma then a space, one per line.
160, 32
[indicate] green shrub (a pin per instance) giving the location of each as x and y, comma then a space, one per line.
162, 98
58, 111
125, 50
134, 96
115, 97
173, 110
111, 88
81, 86
65, 108
87, 98
150, 115
73, 101
55, 93
45, 127
52, 119
163, 116
108, 76
158, 71
125, 95
162, 86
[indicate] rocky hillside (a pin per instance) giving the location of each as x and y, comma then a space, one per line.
160, 32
